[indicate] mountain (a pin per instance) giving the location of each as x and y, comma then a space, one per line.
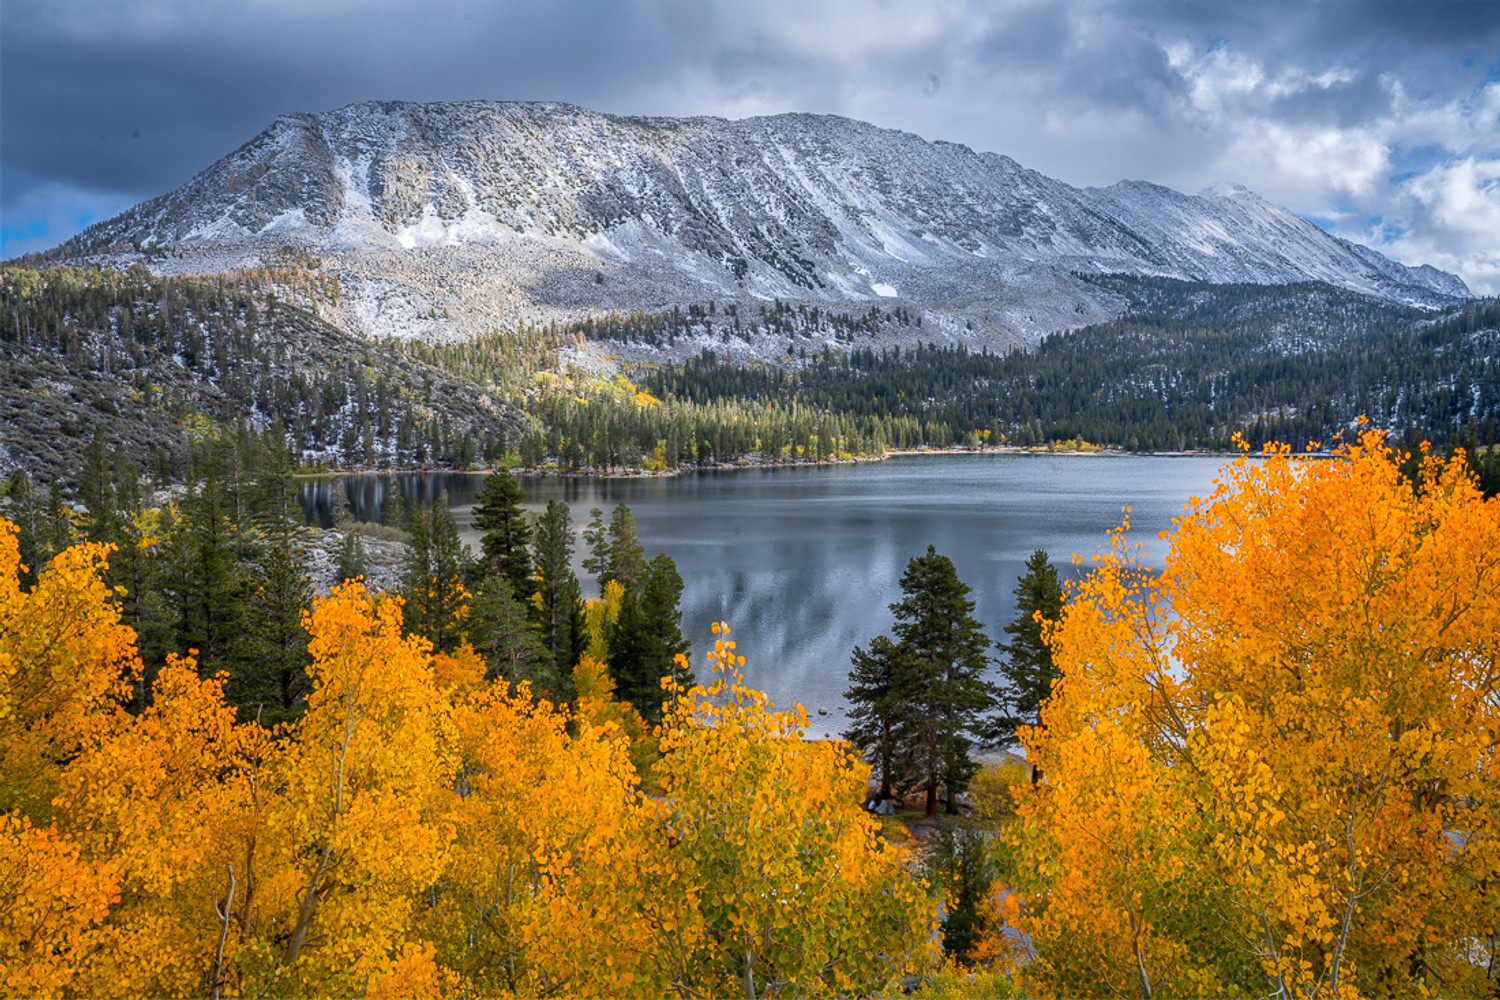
440, 221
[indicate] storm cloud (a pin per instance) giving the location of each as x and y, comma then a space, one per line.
1379, 119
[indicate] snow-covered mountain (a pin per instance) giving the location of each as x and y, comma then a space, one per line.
441, 220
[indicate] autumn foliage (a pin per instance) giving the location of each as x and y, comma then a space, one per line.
419, 829
1266, 770
1271, 770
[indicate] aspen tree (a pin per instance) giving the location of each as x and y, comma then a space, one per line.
1271, 771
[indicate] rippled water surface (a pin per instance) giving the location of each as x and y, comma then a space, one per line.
802, 563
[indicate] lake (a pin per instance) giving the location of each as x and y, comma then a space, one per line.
803, 562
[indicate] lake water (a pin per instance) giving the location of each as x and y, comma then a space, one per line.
803, 563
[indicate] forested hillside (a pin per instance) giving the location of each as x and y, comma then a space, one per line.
1188, 367
158, 361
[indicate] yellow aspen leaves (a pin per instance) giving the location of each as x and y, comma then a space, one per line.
1271, 769
772, 876
65, 661
51, 905
545, 870
418, 830
363, 785
172, 800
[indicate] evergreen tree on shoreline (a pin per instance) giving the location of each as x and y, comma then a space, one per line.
1026, 660
505, 542
647, 638
924, 696
874, 712
615, 551
558, 613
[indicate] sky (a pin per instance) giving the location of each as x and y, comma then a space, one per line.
1377, 119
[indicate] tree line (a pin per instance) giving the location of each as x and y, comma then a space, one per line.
219, 570
1193, 367
160, 362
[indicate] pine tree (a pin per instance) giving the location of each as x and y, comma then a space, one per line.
26, 512
960, 864
502, 633
946, 688
596, 537
206, 586
647, 638
626, 557
270, 499
875, 711
58, 523
274, 658
135, 570
352, 556
926, 691
615, 552
96, 490
436, 565
505, 533
1026, 661
558, 614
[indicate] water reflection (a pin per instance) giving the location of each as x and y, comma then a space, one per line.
803, 562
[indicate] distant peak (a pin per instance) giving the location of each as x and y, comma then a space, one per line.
1225, 189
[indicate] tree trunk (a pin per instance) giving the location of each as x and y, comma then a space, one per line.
305, 909
931, 798
225, 914
885, 760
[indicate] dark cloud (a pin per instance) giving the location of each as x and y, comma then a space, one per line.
1336, 25
197, 87
1076, 59
1311, 103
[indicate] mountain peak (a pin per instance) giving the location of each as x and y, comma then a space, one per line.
444, 219
1226, 189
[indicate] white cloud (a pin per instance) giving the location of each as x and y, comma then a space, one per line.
1427, 167
1306, 164
1449, 217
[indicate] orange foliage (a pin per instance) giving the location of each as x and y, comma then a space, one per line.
770, 875
417, 831
458, 673
172, 800
363, 784
51, 905
1271, 770
545, 869
65, 661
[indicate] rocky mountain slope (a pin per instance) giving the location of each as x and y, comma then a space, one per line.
440, 221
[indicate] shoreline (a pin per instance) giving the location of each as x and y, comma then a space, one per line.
688, 470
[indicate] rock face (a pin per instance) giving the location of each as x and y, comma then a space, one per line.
441, 220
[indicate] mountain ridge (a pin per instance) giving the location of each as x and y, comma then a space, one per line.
444, 220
